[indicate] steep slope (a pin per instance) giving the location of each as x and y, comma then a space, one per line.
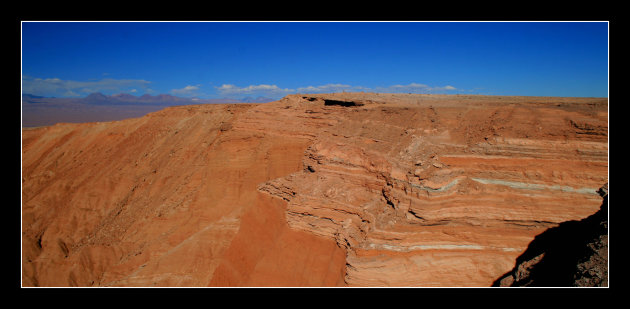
354, 189
574, 253
150, 201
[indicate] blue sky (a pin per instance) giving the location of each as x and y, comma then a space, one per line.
272, 59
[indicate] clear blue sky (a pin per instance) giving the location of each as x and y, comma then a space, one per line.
240, 59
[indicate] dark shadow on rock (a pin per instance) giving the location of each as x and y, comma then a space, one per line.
342, 103
575, 253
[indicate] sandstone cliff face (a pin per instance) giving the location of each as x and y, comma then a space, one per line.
574, 253
313, 190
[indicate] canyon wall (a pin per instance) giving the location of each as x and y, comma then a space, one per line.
572, 254
345, 189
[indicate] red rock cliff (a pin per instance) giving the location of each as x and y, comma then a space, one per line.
348, 189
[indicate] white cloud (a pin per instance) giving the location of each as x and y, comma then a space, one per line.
413, 88
328, 88
409, 88
188, 90
71, 93
229, 90
59, 87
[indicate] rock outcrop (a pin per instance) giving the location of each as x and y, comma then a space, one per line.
346, 189
574, 253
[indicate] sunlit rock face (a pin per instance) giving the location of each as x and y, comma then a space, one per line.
346, 189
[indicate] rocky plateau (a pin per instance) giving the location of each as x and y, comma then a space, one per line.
334, 190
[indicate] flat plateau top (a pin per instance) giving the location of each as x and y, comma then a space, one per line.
409, 98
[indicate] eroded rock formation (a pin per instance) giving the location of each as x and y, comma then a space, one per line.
346, 189
574, 253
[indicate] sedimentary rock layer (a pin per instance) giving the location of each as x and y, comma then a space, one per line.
347, 189
574, 253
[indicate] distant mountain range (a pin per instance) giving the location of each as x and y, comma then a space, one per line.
128, 99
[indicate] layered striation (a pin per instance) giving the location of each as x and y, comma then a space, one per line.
443, 191
574, 253
346, 189
162, 200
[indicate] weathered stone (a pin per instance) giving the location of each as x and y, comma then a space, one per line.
281, 197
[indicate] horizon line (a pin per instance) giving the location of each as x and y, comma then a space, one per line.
323, 93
